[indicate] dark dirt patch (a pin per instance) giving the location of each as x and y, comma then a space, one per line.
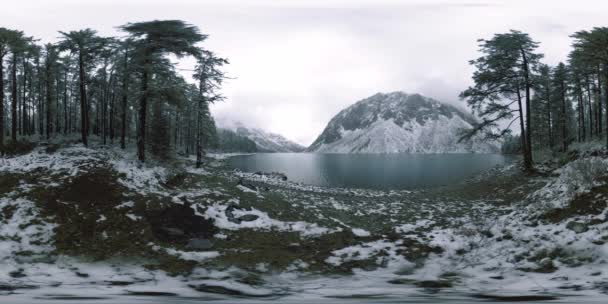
88, 222
17, 148
8, 182
181, 180
280, 249
178, 224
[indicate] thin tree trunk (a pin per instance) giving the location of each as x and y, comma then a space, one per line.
49, 100
524, 142
599, 102
14, 95
606, 96
112, 113
588, 89
549, 122
65, 100
56, 125
1, 105
23, 100
40, 101
563, 118
83, 100
199, 123
125, 87
141, 138
528, 130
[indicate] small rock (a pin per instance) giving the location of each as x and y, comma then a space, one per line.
17, 274
248, 218
199, 244
434, 284
578, 227
82, 274
546, 266
173, 231
230, 213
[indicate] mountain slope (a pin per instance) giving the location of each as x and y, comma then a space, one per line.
231, 142
269, 142
398, 122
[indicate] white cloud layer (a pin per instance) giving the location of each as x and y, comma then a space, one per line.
297, 63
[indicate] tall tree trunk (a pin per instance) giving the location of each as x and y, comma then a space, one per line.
83, 99
176, 134
524, 142
606, 96
141, 138
579, 109
1, 105
599, 102
528, 132
549, 121
49, 100
112, 113
56, 125
588, 90
40, 100
563, 117
14, 95
65, 101
24, 100
125, 88
199, 123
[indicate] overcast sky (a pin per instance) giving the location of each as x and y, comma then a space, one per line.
296, 63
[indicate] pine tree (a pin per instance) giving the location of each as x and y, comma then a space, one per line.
152, 40
210, 78
6, 39
85, 44
50, 70
503, 78
593, 46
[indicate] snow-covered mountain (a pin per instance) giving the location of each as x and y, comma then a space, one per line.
399, 122
269, 142
266, 141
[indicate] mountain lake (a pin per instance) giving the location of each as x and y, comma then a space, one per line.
371, 171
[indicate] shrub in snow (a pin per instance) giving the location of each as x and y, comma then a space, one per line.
574, 178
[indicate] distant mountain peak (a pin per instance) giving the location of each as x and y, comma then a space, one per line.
264, 140
398, 122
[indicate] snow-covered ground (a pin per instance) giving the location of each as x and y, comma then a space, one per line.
344, 244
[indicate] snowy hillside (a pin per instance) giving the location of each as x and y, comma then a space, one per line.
399, 122
269, 142
265, 141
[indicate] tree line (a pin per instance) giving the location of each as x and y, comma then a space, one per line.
552, 105
122, 90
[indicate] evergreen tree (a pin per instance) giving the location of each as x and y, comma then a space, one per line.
503, 78
152, 40
85, 44
593, 46
6, 40
17, 45
50, 70
560, 83
210, 78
